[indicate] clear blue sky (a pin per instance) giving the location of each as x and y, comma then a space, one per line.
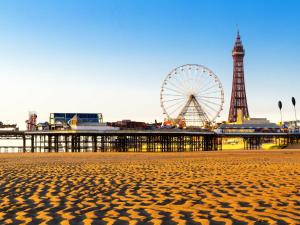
112, 56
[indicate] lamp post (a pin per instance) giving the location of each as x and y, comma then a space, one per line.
294, 104
280, 107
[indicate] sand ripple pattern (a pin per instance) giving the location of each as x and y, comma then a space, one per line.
249, 187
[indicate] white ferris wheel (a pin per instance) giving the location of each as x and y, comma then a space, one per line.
193, 93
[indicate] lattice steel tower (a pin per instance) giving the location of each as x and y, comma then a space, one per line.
238, 94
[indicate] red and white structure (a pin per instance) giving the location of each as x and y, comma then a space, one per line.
31, 122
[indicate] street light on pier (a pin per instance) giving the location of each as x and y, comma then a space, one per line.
280, 107
294, 104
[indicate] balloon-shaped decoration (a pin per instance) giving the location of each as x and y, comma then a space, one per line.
280, 105
294, 101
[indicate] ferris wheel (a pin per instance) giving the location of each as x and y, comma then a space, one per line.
192, 93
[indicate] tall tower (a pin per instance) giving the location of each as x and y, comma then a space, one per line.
238, 103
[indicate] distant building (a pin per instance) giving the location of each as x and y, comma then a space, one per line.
128, 124
250, 125
42, 126
292, 124
8, 127
249, 128
256, 121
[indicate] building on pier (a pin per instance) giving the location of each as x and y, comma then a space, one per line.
8, 127
249, 128
129, 124
78, 121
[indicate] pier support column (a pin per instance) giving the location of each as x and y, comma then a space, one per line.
32, 143
56, 143
102, 144
66, 143
24, 143
49, 143
94, 140
72, 143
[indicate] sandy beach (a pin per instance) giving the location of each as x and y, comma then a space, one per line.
229, 187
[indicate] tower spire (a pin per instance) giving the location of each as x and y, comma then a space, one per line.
238, 101
238, 32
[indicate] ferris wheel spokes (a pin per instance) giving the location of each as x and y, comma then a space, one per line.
194, 93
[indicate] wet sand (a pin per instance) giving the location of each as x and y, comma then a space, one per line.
229, 187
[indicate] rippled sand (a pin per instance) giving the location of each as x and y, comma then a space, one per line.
245, 187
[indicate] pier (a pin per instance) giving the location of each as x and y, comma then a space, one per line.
133, 141
119, 141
